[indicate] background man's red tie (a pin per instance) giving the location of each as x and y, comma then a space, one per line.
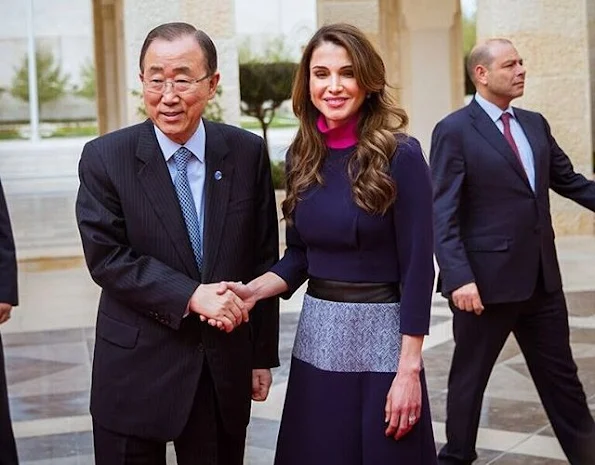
508, 136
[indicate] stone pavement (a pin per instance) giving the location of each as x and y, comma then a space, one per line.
49, 341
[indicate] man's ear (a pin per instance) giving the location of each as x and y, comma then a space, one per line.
481, 74
213, 83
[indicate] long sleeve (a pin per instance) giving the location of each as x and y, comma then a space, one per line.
8, 261
141, 281
265, 315
293, 267
564, 180
414, 235
448, 175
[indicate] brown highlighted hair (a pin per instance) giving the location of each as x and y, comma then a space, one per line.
174, 31
379, 120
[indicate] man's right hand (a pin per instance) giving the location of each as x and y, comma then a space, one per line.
467, 298
243, 291
215, 303
4, 312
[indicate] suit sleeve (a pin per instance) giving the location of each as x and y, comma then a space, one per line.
264, 317
8, 261
141, 282
448, 176
414, 235
564, 180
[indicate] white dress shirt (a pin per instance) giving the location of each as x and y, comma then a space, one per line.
196, 166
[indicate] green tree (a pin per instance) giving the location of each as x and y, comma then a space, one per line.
88, 88
469, 39
263, 88
51, 83
265, 80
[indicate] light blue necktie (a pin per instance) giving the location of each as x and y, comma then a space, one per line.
181, 157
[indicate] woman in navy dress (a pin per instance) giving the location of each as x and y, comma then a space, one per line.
359, 229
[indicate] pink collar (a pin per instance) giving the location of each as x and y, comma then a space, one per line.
340, 137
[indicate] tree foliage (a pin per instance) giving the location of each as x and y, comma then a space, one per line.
469, 39
51, 83
263, 88
88, 88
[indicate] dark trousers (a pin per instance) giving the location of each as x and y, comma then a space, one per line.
202, 442
540, 326
8, 450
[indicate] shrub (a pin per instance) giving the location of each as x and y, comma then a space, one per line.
263, 88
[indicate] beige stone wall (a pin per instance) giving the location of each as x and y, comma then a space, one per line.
123, 35
421, 44
552, 36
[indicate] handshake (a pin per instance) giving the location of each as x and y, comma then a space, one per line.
224, 305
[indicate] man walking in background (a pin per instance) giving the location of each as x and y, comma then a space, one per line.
492, 167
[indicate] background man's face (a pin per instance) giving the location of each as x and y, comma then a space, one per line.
505, 75
177, 114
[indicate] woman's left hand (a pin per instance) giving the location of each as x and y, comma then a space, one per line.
403, 404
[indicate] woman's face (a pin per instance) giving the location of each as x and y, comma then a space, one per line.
334, 90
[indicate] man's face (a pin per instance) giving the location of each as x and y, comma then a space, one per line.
504, 78
176, 113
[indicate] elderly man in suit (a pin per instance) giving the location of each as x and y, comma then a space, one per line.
165, 208
8, 299
493, 166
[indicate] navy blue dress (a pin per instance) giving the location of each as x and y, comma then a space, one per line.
346, 355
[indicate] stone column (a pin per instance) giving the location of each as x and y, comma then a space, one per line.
421, 44
120, 28
431, 48
552, 36
109, 58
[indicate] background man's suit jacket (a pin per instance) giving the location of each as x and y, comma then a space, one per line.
490, 226
148, 358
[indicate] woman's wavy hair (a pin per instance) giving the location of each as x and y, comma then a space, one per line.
379, 120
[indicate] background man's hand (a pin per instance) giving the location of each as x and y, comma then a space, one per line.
261, 383
467, 298
4, 312
219, 305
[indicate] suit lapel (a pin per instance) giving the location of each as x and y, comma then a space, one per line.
533, 137
490, 132
157, 185
219, 175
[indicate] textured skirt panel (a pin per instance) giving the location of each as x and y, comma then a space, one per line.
349, 337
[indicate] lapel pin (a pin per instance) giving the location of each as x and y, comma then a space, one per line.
218, 175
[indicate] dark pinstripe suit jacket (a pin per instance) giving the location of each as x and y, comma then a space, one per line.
148, 358
8, 262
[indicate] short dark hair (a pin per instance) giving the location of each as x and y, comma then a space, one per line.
173, 31
481, 54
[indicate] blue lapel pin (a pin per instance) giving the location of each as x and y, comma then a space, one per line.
218, 175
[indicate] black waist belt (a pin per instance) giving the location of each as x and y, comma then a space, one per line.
340, 291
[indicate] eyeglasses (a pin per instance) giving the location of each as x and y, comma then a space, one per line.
179, 86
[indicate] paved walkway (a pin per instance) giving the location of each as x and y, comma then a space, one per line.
49, 340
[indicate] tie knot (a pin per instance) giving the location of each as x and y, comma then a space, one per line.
182, 157
506, 117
